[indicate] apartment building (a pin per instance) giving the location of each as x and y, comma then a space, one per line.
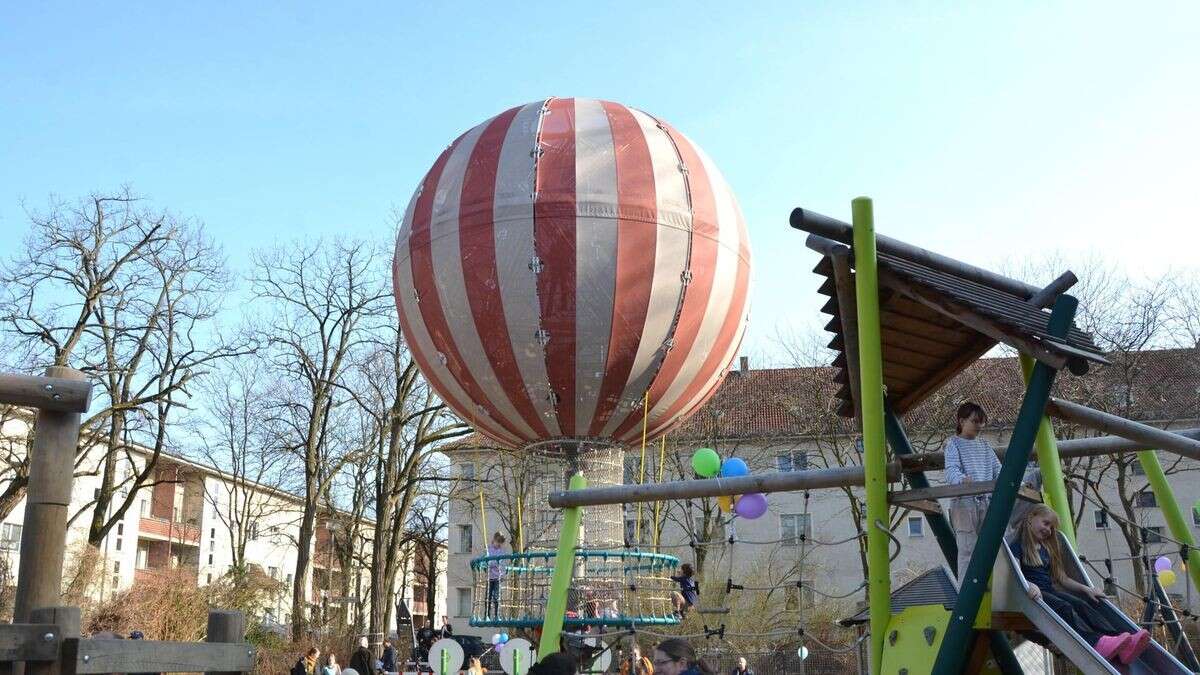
184, 519
781, 420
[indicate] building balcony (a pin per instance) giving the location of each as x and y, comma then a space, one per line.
161, 529
185, 574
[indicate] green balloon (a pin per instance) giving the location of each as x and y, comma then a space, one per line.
706, 462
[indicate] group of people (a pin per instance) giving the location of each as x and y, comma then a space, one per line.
362, 661
1034, 542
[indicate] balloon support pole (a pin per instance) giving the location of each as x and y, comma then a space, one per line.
564, 566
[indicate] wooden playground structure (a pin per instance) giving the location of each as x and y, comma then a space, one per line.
905, 321
44, 638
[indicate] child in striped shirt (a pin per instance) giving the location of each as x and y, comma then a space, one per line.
969, 459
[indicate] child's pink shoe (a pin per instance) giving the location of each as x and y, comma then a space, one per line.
1110, 646
1134, 646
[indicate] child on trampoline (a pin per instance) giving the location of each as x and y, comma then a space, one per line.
495, 573
689, 591
1036, 547
969, 459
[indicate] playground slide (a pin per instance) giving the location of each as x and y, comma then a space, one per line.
1008, 594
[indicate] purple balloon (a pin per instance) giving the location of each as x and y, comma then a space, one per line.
1162, 564
751, 506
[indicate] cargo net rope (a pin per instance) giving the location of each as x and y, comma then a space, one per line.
610, 585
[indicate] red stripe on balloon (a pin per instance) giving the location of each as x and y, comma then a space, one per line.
430, 304
702, 264
477, 243
637, 238
554, 240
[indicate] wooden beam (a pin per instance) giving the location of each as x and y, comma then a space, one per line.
29, 642
953, 367
59, 394
926, 506
1014, 621
146, 656
848, 314
1045, 296
1148, 436
973, 320
67, 620
949, 491
227, 627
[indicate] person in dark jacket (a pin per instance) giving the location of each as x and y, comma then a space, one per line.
362, 658
389, 657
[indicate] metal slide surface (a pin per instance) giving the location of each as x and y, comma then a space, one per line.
1008, 594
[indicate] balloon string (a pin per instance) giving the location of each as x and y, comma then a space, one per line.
642, 474
662, 453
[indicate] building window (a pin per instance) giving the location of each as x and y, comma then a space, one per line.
463, 601
792, 460
208, 578
1136, 468
117, 546
175, 514
143, 557
10, 537
144, 508
468, 471
116, 582
791, 598
465, 543
273, 572
1145, 499
916, 526
1101, 517
253, 534
212, 533
116, 567
210, 558
289, 579
120, 529
1152, 535
792, 526
631, 530
1195, 517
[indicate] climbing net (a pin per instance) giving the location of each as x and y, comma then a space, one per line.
608, 588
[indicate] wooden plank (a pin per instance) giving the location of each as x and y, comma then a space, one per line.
146, 656
1014, 621
903, 497
67, 619
59, 394
928, 323
27, 642
228, 627
951, 368
917, 343
927, 506
849, 319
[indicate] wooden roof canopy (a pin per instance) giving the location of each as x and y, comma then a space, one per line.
937, 315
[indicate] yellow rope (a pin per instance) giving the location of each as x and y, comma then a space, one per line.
662, 454
520, 525
642, 476
483, 518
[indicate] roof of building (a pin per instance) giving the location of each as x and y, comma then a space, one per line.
935, 586
1155, 385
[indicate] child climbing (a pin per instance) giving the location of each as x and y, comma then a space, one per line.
495, 573
969, 459
1037, 549
689, 591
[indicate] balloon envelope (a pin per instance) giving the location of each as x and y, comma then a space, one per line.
751, 506
725, 502
733, 467
1166, 578
563, 263
706, 462
1162, 564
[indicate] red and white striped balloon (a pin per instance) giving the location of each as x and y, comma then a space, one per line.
565, 261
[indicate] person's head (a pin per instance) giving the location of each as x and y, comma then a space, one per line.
362, 642
672, 657
387, 643
969, 419
312, 653
686, 570
137, 635
1039, 528
635, 651
498, 539
557, 663
741, 663
332, 660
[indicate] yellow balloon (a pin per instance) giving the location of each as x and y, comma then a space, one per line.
1166, 578
726, 503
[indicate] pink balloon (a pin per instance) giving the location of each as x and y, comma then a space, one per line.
751, 506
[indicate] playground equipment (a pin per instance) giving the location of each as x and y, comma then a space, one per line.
572, 277
907, 320
46, 637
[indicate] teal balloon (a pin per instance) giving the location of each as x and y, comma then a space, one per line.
734, 466
706, 462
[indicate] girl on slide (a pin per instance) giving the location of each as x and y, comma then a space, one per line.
1041, 558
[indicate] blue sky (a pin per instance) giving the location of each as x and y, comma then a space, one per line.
989, 132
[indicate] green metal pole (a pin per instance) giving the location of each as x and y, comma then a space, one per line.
1054, 485
564, 564
445, 662
870, 367
1165, 497
516, 662
956, 644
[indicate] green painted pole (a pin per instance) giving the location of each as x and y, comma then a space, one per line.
564, 565
870, 368
445, 662
1054, 485
1165, 497
956, 644
516, 662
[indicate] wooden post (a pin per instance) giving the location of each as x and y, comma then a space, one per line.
67, 620
226, 626
44, 536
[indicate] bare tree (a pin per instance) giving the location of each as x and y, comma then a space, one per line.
125, 294
240, 440
427, 536
321, 297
